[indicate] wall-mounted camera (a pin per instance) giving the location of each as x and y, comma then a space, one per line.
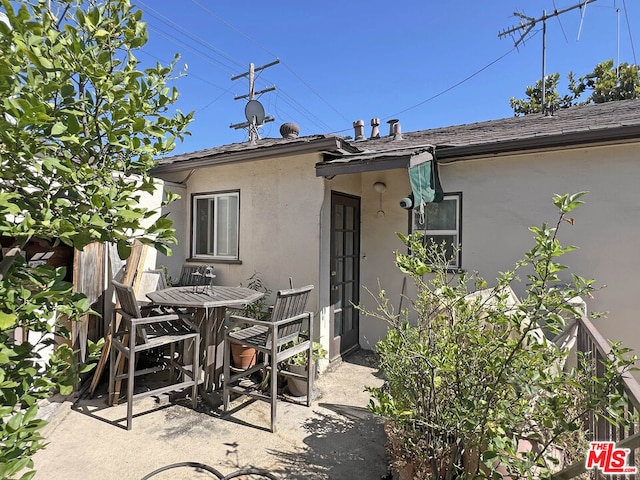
407, 202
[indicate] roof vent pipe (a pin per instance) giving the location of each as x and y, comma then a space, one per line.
358, 126
289, 130
397, 131
392, 126
375, 131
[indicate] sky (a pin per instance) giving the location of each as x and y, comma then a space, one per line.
427, 63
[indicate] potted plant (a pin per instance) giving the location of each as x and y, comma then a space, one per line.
243, 356
298, 365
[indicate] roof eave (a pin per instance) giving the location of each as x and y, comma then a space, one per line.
623, 134
281, 150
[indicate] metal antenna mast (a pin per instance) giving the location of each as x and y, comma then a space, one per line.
254, 112
527, 24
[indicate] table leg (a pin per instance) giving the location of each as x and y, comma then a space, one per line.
209, 352
219, 314
212, 331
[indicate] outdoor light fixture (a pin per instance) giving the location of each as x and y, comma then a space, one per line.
380, 188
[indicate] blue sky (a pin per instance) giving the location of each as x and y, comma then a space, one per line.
429, 64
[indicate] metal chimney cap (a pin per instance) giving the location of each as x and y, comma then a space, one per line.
289, 130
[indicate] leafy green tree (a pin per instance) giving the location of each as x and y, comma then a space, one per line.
533, 103
80, 125
604, 84
473, 373
607, 83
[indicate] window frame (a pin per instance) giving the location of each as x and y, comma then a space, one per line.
194, 223
457, 266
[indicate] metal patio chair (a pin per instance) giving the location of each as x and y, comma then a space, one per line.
278, 339
138, 333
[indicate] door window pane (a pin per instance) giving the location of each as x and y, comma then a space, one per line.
337, 324
349, 222
339, 245
349, 243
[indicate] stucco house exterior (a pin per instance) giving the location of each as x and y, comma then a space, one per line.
324, 209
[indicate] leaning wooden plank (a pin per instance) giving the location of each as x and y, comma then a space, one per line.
88, 279
129, 276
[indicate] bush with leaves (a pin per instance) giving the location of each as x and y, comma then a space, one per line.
475, 373
81, 123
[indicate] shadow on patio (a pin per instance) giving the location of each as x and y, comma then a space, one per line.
337, 438
337, 447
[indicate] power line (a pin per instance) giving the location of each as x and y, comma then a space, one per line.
187, 74
215, 62
163, 18
229, 25
451, 87
173, 39
302, 110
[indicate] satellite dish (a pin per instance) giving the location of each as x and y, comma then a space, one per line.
254, 112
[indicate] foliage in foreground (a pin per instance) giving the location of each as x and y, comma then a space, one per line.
80, 125
475, 374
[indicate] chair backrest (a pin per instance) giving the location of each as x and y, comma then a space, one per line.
195, 275
127, 299
150, 281
290, 303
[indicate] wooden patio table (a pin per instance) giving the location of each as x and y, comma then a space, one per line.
210, 304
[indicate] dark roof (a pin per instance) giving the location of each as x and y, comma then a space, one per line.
580, 125
263, 148
588, 124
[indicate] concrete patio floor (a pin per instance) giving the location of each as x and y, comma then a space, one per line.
336, 438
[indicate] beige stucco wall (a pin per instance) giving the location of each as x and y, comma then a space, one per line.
285, 219
178, 211
516, 193
502, 197
280, 207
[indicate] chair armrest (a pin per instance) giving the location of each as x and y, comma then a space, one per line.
251, 321
153, 319
284, 321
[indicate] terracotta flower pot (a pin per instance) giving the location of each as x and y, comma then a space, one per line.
243, 357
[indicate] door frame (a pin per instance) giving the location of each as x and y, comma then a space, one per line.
336, 348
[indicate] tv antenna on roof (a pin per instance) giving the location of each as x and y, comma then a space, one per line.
527, 23
254, 111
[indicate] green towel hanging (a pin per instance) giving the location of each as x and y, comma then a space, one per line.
420, 178
425, 181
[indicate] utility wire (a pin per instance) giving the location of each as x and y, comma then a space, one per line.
626, 16
186, 74
163, 18
204, 56
220, 65
229, 25
452, 86
281, 95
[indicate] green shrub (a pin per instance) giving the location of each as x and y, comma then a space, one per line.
472, 374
